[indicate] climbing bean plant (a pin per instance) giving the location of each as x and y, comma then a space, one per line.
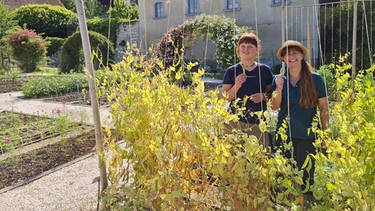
175, 156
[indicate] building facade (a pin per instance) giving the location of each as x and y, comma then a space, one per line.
270, 19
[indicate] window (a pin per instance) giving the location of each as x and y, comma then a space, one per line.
192, 7
280, 2
232, 5
159, 10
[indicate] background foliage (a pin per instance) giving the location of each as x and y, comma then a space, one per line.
7, 26
336, 21
72, 53
47, 20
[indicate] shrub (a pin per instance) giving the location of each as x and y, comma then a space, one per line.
28, 48
48, 20
72, 57
101, 25
55, 45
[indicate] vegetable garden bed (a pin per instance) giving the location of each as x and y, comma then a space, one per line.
31, 145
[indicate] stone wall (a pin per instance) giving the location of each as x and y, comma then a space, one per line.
128, 33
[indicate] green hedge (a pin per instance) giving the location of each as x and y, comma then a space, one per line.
48, 20
72, 57
55, 43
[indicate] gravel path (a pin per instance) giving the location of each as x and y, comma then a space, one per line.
68, 187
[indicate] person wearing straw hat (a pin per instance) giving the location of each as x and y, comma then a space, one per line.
248, 84
298, 94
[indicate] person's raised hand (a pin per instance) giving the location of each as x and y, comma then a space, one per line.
240, 79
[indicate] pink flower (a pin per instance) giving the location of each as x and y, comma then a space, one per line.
8, 140
58, 111
64, 102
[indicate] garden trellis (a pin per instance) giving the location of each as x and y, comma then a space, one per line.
326, 29
337, 28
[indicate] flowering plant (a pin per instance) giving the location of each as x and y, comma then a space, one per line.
220, 29
28, 48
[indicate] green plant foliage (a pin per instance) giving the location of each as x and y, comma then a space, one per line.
220, 29
55, 45
28, 48
101, 25
336, 21
69, 4
8, 25
53, 85
176, 155
345, 176
51, 21
72, 53
123, 10
93, 8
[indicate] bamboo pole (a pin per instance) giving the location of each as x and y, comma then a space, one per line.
309, 43
282, 33
92, 92
354, 41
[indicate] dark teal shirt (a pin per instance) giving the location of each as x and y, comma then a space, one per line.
300, 119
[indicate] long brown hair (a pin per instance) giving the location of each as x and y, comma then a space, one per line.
309, 93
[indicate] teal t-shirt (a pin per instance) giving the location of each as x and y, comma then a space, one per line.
300, 119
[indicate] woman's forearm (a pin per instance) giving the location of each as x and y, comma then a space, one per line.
276, 99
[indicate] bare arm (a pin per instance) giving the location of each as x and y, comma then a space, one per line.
324, 112
277, 94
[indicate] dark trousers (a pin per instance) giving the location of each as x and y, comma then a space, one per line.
301, 149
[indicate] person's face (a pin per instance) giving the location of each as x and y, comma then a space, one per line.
293, 58
247, 51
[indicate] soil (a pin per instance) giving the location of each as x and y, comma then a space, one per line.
22, 168
17, 169
11, 86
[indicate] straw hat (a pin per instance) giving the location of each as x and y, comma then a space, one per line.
292, 43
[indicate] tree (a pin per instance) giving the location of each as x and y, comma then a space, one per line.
7, 25
93, 8
124, 10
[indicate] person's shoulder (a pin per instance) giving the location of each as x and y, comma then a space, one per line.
265, 68
232, 67
317, 75
263, 65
